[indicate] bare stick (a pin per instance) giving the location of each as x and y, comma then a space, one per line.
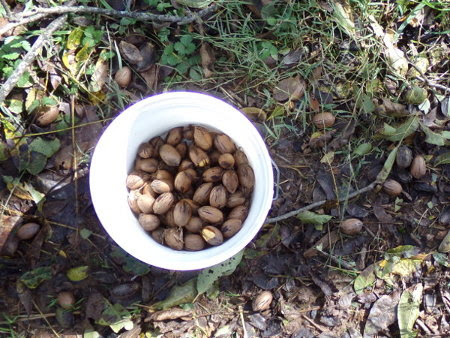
6, 7
30, 56
319, 203
423, 78
111, 12
13, 25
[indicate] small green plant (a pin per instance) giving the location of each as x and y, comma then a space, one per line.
180, 54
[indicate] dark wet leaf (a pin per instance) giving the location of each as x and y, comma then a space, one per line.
381, 214
25, 297
323, 243
179, 294
392, 108
325, 181
319, 139
292, 88
129, 263
208, 276
357, 211
130, 52
263, 281
258, 321
32, 279
382, 314
344, 137
445, 244
442, 159
148, 57
95, 305
116, 317
64, 318
291, 58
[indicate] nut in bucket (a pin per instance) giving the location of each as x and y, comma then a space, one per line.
115, 158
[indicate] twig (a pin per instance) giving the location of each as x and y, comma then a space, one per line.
30, 56
320, 203
13, 25
432, 84
6, 7
423, 78
181, 20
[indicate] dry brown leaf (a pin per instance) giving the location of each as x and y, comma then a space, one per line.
170, 314
324, 242
292, 88
130, 52
100, 75
151, 77
392, 108
255, 113
148, 57
7, 223
208, 58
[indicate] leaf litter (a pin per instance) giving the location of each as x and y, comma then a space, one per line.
405, 111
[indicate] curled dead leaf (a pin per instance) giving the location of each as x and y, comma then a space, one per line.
130, 52
255, 114
147, 52
208, 58
292, 88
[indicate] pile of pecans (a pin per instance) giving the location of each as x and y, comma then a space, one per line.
190, 189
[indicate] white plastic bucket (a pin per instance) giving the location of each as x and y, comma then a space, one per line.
114, 158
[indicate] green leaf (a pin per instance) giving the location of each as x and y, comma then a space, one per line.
387, 167
439, 139
130, 264
11, 56
116, 317
195, 74
15, 106
180, 48
49, 101
35, 163
179, 294
83, 53
402, 251
442, 259
45, 147
24, 80
442, 159
74, 39
127, 21
408, 310
363, 149
310, 217
4, 152
182, 67
400, 132
208, 276
186, 40
78, 274
365, 279
32, 279
85, 233
343, 17
367, 104
89, 333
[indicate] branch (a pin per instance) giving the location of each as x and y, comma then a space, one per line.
30, 56
140, 16
423, 78
320, 203
13, 25
6, 8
